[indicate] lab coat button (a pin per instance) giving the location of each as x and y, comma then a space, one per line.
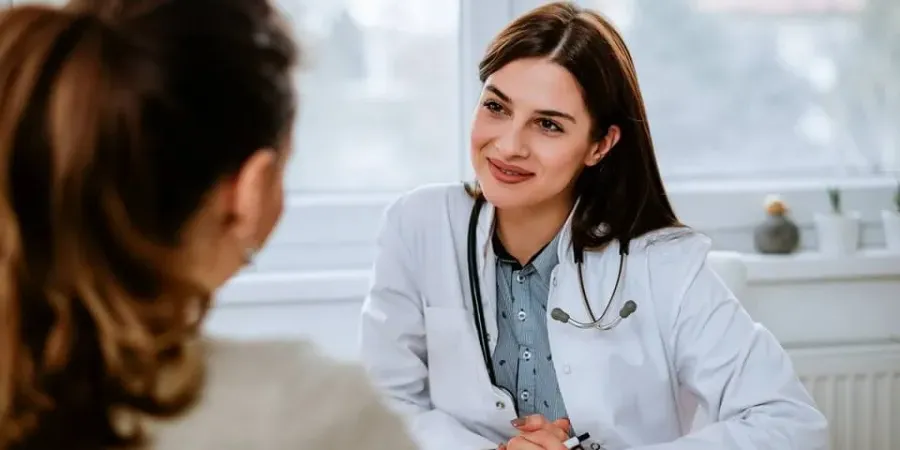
553, 281
567, 369
501, 405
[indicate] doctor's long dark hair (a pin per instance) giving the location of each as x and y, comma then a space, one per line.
625, 190
112, 135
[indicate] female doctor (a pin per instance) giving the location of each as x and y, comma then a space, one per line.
594, 310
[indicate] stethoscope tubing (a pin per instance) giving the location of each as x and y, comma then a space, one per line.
477, 304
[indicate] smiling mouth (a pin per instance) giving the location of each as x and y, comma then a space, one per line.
508, 176
508, 171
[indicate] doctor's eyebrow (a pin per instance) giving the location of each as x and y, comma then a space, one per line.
496, 91
543, 112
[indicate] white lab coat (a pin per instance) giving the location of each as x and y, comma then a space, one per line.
635, 387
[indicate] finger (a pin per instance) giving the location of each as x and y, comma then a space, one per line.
533, 422
520, 443
557, 433
550, 438
563, 424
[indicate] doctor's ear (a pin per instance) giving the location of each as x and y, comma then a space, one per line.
600, 148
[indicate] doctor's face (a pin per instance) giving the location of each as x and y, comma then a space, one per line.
531, 135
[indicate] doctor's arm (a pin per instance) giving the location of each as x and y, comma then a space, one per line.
392, 344
739, 373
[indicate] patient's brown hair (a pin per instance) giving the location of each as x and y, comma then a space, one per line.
112, 133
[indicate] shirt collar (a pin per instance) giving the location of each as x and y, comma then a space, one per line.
543, 261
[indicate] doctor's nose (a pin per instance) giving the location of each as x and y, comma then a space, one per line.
511, 144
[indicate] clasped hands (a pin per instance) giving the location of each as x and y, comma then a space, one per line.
538, 433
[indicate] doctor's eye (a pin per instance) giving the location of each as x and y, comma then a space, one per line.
549, 125
493, 106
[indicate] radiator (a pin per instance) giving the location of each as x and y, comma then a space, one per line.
858, 388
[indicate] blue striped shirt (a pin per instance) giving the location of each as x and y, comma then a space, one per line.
522, 360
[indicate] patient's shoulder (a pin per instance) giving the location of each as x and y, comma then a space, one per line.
284, 394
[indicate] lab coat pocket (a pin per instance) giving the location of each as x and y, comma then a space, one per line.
458, 379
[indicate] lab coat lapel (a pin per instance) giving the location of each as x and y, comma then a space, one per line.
569, 344
487, 264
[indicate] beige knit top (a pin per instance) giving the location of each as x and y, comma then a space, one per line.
279, 396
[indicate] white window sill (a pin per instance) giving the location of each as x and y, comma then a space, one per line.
351, 285
811, 266
294, 287
337, 232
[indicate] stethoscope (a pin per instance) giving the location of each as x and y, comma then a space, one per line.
557, 314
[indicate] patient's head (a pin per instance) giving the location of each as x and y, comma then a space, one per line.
141, 162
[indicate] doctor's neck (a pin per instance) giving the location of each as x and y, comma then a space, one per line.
525, 231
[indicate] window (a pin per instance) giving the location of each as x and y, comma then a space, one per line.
380, 94
778, 94
766, 88
762, 91
734, 88
387, 96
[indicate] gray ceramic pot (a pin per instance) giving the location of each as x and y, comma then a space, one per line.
776, 235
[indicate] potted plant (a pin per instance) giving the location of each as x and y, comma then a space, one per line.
838, 230
890, 220
777, 234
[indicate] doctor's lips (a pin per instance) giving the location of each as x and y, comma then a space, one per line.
508, 173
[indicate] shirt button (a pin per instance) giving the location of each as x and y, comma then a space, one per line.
525, 395
567, 369
596, 446
500, 405
526, 355
522, 315
520, 278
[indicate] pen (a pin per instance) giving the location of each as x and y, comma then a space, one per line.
576, 441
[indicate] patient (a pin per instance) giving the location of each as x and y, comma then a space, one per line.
141, 165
